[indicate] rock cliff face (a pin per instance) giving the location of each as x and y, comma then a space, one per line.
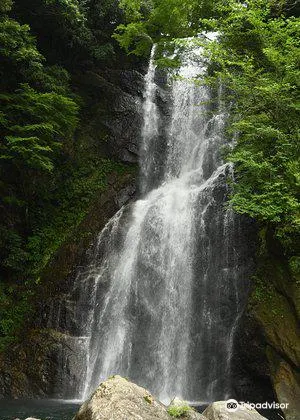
113, 112
111, 128
268, 341
33, 368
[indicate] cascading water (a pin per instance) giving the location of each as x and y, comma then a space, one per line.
163, 283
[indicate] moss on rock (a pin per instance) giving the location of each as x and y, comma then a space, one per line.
274, 304
31, 366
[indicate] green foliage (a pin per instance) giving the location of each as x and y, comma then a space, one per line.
134, 38
166, 62
132, 9
66, 17
294, 266
257, 59
80, 29
70, 9
70, 16
5, 6
14, 309
149, 21
179, 410
21, 62
33, 125
262, 291
37, 119
20, 59
60, 207
47, 182
65, 206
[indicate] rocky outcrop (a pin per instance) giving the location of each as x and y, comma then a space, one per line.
33, 368
111, 117
268, 340
119, 399
30, 369
220, 411
59, 274
286, 383
113, 100
31, 418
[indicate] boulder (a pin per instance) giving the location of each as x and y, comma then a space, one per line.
286, 382
31, 418
267, 344
119, 399
181, 409
220, 411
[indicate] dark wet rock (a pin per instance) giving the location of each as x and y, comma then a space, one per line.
286, 382
114, 103
267, 349
129, 81
34, 370
51, 354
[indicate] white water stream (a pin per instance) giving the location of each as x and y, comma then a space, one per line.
163, 281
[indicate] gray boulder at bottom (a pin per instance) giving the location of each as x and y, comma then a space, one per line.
29, 418
218, 411
119, 399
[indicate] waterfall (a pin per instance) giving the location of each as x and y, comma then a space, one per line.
165, 283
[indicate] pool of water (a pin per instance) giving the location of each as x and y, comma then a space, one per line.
65, 410
41, 409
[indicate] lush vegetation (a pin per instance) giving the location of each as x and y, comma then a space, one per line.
178, 411
260, 70
48, 180
256, 58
